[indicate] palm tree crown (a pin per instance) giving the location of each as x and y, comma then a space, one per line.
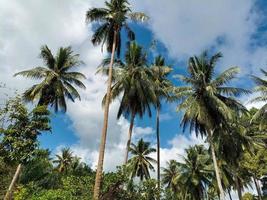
207, 102
57, 79
113, 18
169, 175
195, 172
141, 162
162, 84
133, 79
261, 88
65, 160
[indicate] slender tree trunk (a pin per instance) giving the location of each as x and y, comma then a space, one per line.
129, 138
105, 124
12, 184
229, 193
257, 187
200, 196
158, 148
216, 168
238, 187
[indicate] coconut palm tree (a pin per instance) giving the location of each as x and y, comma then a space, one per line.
207, 103
169, 175
140, 163
111, 19
57, 79
195, 172
134, 81
162, 89
261, 114
64, 160
234, 142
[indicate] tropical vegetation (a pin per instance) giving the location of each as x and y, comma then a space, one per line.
209, 105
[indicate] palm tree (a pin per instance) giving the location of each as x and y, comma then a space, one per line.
112, 19
65, 160
206, 102
234, 142
195, 172
141, 162
169, 175
162, 89
57, 79
132, 79
261, 114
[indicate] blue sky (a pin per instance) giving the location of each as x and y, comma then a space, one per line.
182, 28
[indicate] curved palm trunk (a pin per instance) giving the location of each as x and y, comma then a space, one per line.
158, 148
129, 138
105, 125
8, 195
216, 168
238, 187
229, 193
257, 187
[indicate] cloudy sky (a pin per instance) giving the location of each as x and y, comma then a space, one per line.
182, 28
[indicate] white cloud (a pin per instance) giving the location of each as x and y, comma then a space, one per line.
188, 27
165, 117
143, 131
177, 147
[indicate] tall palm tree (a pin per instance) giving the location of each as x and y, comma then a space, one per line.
261, 114
64, 160
57, 79
162, 88
169, 175
206, 101
195, 172
134, 81
140, 162
111, 20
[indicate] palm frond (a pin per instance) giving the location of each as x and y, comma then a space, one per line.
36, 73
138, 16
226, 76
96, 14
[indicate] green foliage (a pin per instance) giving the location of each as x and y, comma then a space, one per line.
64, 161
140, 163
7, 171
19, 137
248, 196
261, 114
195, 172
169, 175
162, 85
40, 171
206, 101
134, 81
57, 79
114, 17
256, 163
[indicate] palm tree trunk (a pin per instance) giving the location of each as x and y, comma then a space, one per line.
257, 187
129, 138
216, 168
105, 124
229, 193
238, 187
158, 148
12, 184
